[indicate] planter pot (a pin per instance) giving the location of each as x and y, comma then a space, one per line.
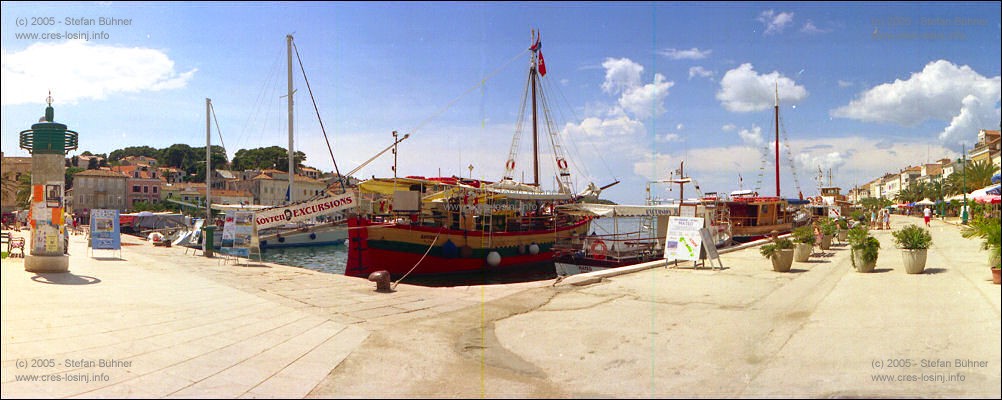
802, 252
826, 242
914, 260
782, 260
862, 266
996, 278
843, 234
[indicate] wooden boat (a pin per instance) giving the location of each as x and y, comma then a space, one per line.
444, 225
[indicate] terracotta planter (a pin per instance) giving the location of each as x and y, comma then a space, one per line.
782, 260
802, 252
826, 242
914, 260
862, 266
996, 278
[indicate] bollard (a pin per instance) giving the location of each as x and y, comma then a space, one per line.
382, 279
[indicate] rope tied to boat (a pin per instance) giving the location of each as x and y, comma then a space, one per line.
432, 245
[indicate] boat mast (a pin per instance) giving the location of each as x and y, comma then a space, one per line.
776, 108
292, 167
535, 128
208, 162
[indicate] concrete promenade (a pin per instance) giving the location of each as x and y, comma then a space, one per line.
159, 323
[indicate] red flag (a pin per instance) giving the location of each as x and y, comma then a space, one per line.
542, 65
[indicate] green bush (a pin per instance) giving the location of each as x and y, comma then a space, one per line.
868, 249
912, 237
843, 223
770, 249
828, 227
858, 235
804, 234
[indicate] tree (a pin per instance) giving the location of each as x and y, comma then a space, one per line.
145, 151
266, 158
218, 160
23, 190
92, 163
979, 174
69, 176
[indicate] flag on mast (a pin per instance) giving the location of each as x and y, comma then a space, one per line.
538, 48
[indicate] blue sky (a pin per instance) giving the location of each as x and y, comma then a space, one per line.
635, 88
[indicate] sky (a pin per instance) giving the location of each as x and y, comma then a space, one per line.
635, 90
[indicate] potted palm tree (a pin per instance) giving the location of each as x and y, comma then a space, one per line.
914, 243
828, 231
803, 239
990, 232
864, 249
780, 253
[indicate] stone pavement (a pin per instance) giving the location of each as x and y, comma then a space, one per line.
192, 327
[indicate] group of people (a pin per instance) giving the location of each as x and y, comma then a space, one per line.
880, 219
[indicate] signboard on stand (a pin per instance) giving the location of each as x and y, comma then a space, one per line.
105, 230
238, 228
683, 240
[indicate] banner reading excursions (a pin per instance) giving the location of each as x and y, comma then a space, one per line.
303, 211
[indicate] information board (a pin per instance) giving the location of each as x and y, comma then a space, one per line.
105, 230
683, 240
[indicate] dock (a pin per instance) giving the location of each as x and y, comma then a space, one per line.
157, 322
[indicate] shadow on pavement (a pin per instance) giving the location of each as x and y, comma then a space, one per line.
65, 278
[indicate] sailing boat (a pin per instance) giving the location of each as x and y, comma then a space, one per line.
754, 217
444, 225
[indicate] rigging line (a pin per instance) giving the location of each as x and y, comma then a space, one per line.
326, 140
258, 102
453, 102
574, 143
220, 132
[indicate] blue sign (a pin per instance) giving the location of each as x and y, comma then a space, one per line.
105, 230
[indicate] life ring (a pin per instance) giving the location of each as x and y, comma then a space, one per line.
598, 249
561, 163
510, 164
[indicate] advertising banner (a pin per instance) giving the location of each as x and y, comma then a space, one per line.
303, 211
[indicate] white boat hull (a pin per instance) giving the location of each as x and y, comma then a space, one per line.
312, 237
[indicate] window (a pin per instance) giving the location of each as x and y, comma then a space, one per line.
135, 189
154, 190
146, 189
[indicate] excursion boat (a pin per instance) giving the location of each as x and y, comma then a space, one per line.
444, 225
438, 227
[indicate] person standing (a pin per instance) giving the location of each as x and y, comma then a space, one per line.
887, 219
927, 214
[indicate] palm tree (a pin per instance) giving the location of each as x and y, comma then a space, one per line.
979, 174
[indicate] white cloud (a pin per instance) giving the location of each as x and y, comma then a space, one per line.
679, 127
619, 126
844, 84
942, 91
648, 100
668, 137
700, 72
728, 127
621, 74
752, 136
744, 90
78, 70
810, 28
691, 54
775, 23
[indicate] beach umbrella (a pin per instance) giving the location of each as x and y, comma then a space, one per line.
925, 202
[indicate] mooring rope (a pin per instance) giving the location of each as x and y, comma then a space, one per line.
419, 261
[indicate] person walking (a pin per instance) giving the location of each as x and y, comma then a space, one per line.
927, 214
887, 219
873, 219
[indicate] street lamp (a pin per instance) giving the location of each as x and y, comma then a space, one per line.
471, 170
963, 209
